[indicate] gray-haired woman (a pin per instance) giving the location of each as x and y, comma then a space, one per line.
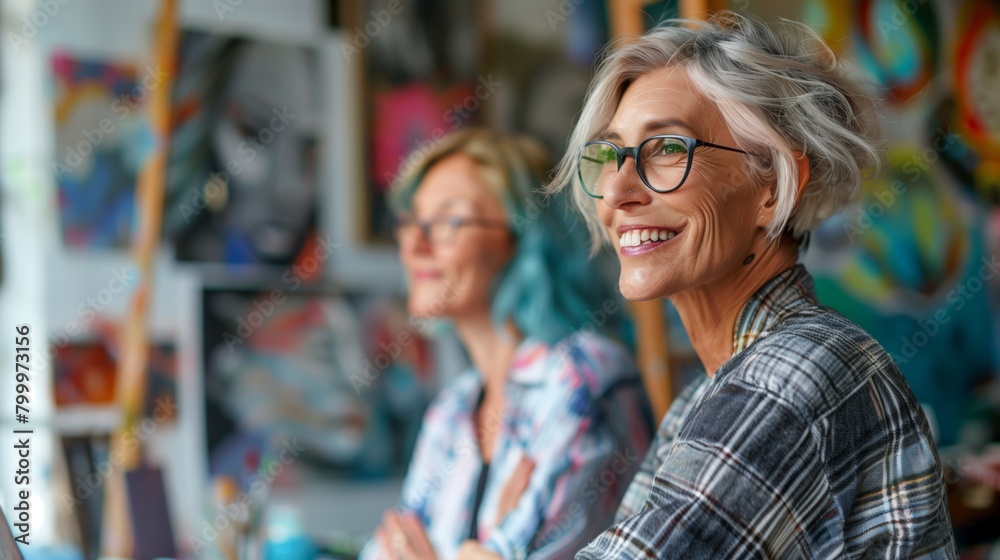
705, 154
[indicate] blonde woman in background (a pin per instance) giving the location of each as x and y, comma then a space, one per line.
550, 396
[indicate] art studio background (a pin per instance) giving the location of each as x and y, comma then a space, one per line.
275, 306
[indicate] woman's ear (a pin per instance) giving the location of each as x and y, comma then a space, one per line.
766, 213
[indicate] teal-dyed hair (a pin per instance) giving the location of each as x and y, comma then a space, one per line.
551, 287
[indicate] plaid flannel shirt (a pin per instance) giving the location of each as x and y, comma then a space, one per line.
807, 443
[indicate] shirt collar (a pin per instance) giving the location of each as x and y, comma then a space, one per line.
778, 298
528, 367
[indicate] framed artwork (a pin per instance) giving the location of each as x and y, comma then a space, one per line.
422, 79
242, 179
84, 375
86, 372
99, 138
346, 376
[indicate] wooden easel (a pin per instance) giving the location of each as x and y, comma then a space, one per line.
117, 532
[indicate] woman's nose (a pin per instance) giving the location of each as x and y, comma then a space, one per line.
625, 187
415, 241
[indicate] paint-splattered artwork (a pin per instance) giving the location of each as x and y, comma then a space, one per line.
99, 147
909, 263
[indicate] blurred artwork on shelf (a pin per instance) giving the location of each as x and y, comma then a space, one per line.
347, 377
241, 178
100, 139
86, 373
423, 81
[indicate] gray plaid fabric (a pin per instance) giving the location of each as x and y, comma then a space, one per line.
807, 443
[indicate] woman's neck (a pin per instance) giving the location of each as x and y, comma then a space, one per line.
710, 311
491, 351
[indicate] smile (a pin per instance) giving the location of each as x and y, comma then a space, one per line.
636, 237
423, 275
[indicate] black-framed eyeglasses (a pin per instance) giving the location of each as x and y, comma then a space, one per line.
663, 162
440, 230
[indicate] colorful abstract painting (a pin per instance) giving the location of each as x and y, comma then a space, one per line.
99, 147
977, 109
908, 264
348, 377
86, 373
899, 44
241, 178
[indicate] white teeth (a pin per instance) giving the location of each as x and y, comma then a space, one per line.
633, 238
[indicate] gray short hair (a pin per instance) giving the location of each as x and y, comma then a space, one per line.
779, 89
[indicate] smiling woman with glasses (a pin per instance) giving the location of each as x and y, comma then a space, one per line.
510, 454
802, 438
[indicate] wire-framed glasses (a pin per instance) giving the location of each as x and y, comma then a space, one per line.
663, 162
440, 230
